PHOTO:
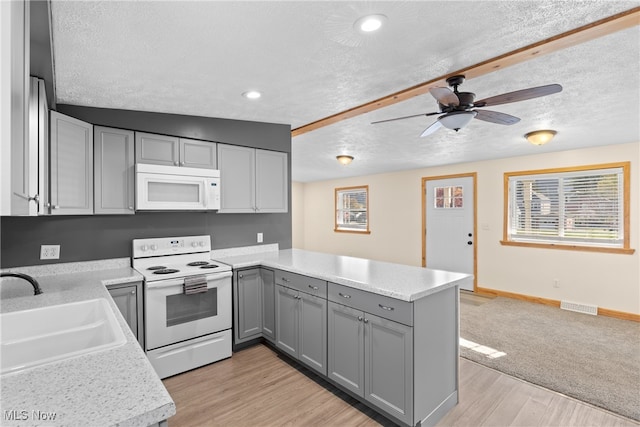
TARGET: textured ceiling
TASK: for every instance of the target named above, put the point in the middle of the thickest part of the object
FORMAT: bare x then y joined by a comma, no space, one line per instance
305,57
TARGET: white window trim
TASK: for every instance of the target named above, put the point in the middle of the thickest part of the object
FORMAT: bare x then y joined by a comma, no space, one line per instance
341,228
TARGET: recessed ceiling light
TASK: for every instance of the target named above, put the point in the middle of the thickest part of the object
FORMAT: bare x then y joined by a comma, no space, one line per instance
370,23
252,94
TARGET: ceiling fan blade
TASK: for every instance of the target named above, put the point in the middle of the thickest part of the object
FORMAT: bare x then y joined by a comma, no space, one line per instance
431,129
444,96
405,117
519,95
496,117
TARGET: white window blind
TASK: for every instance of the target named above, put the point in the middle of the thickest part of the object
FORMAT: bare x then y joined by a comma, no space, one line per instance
351,209
581,207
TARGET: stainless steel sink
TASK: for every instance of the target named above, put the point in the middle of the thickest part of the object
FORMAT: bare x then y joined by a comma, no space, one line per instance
39,336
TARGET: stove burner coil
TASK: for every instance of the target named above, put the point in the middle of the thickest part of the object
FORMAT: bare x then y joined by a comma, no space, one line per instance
197,263
157,267
166,271
210,266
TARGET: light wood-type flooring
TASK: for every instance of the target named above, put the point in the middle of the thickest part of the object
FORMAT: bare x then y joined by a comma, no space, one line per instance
258,387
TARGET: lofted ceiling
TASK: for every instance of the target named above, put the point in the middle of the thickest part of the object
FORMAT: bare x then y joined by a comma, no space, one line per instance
309,62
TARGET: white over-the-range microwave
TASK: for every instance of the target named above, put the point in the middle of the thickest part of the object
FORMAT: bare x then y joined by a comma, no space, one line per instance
171,188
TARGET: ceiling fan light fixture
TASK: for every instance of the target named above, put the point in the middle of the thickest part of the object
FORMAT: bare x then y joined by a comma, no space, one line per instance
343,159
540,137
369,23
457,120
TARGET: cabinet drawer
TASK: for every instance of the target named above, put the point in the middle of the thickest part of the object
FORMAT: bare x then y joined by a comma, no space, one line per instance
380,305
302,283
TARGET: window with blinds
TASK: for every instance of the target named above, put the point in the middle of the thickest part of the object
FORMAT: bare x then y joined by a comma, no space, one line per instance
580,207
352,209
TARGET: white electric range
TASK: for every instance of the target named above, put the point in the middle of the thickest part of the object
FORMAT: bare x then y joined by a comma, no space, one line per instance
187,303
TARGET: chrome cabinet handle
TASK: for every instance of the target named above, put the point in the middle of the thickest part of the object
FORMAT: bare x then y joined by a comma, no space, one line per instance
344,295
176,163
360,318
384,307
366,320
315,288
298,297
130,208
240,276
284,279
133,292
56,206
181,163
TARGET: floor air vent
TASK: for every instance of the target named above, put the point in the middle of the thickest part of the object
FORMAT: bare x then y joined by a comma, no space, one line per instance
580,308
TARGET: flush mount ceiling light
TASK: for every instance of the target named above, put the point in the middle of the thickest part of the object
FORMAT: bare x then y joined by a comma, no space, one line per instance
457,120
369,23
344,159
252,94
540,137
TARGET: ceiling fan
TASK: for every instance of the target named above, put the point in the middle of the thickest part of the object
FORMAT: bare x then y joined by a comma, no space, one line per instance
458,108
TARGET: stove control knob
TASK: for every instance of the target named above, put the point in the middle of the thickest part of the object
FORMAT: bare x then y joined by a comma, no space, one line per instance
144,248
201,244
194,244
154,247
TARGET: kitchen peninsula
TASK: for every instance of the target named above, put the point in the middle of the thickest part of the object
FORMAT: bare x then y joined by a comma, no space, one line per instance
385,333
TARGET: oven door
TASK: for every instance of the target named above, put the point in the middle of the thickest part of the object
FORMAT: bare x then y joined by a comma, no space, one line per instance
171,316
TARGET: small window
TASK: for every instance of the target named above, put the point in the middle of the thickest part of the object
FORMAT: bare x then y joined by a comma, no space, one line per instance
580,208
352,209
447,197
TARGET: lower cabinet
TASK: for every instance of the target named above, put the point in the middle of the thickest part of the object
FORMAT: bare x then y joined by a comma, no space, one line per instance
373,358
301,325
128,298
254,304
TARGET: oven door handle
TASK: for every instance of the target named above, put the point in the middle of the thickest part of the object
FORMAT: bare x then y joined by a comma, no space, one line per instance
179,282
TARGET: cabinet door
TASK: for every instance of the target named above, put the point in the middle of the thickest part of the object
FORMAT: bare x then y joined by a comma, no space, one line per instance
198,154
114,170
313,332
129,303
157,149
237,179
287,320
345,362
272,182
268,304
388,364
249,304
71,166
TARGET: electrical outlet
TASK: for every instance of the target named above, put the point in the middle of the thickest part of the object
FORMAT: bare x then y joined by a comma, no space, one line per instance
50,252
260,237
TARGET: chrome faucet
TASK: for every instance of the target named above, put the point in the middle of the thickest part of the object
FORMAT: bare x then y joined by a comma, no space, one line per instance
34,282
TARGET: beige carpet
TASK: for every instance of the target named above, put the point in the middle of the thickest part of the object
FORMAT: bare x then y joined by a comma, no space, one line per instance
591,358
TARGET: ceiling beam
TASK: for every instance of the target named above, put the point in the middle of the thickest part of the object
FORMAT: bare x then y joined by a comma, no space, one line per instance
612,24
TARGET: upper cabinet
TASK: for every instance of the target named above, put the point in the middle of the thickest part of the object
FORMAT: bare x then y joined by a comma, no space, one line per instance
174,151
71,157
252,180
114,170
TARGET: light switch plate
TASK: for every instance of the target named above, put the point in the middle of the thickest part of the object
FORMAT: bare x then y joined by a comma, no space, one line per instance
50,252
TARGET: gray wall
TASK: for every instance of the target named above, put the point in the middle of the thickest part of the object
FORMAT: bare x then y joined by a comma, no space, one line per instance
84,238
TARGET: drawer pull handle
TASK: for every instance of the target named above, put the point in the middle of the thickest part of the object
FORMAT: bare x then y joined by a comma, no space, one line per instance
366,320
344,295
284,279
315,288
360,318
384,307
240,276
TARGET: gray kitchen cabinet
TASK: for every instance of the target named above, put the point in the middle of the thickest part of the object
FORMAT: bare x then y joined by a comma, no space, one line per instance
128,298
248,310
252,180
114,170
301,327
268,304
71,166
372,357
174,151
271,182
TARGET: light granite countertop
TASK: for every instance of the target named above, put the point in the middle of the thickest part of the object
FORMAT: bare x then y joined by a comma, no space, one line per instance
403,282
117,386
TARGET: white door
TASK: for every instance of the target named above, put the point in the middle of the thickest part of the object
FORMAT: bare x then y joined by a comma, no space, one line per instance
450,223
